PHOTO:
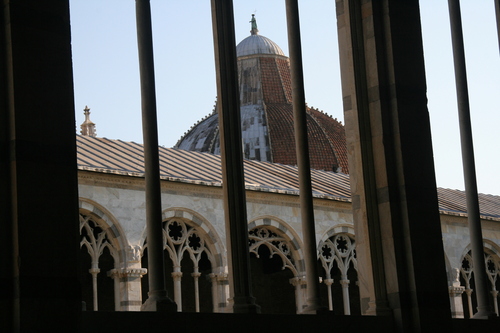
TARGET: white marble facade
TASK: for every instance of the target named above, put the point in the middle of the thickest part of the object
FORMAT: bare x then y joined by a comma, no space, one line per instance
117,205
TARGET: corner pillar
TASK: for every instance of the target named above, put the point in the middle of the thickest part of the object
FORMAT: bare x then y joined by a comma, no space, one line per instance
300,284
394,194
128,288
455,291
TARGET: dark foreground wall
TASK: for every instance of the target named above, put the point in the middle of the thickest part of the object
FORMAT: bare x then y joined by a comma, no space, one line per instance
39,196
150,322
97,322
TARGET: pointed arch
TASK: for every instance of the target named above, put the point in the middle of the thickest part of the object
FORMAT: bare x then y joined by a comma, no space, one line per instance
288,244
277,265
117,237
101,235
492,261
338,246
202,225
337,256
193,249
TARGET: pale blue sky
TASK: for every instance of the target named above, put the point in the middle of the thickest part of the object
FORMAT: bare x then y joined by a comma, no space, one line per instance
107,78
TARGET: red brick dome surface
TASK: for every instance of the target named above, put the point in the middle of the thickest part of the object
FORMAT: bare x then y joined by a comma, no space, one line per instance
267,119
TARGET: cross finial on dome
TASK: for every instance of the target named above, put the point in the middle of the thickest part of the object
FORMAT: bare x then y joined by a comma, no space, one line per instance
254,30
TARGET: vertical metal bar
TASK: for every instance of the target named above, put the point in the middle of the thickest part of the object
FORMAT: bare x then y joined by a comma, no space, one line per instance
304,168
157,291
8,175
228,106
483,307
497,12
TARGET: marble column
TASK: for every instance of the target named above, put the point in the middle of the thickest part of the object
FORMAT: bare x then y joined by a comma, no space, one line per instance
215,292
177,277
95,302
328,283
469,292
196,276
494,294
345,296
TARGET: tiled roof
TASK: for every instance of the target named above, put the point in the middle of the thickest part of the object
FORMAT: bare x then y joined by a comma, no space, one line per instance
454,202
126,158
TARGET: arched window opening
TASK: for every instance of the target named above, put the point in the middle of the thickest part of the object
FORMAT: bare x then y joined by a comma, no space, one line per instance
98,258
272,266
467,279
189,261
493,272
337,256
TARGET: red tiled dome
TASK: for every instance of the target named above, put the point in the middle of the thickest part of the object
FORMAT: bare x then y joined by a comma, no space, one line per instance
267,119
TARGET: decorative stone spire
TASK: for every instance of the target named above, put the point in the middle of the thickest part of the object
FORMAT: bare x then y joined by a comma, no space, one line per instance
254,30
88,127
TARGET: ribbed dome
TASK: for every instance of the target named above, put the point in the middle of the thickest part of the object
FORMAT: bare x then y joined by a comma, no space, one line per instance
257,44
267,124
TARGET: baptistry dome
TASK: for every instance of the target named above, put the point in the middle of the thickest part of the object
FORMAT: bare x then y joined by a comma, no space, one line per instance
257,44
266,111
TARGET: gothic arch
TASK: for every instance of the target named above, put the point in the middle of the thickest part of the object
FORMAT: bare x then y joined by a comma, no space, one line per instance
489,247
344,258
108,223
338,245
338,229
194,254
104,241
290,237
492,261
337,256
277,265
214,244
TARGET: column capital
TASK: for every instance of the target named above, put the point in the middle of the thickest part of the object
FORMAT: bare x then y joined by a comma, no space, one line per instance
328,282
297,281
176,275
128,272
456,290
222,277
344,283
94,271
